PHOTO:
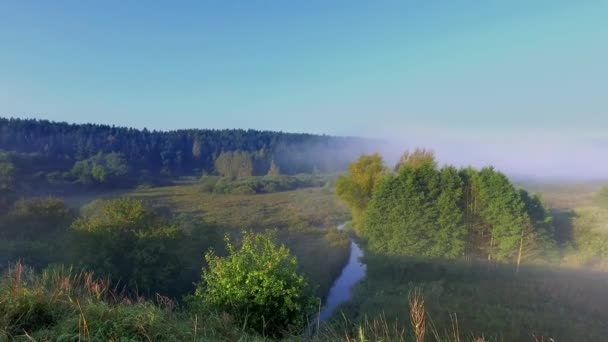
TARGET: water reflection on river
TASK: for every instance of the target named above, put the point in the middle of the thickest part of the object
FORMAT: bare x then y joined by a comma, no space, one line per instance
352,273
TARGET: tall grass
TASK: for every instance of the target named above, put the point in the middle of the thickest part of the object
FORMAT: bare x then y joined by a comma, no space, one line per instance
61,304
378,329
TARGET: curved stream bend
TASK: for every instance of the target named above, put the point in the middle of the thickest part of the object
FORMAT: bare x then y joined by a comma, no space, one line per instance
352,273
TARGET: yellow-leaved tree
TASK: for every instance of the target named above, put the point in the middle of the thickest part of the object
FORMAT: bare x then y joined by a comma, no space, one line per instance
357,186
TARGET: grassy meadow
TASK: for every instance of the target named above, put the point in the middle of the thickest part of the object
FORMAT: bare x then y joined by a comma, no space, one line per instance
484,300
305,220
580,217
295,210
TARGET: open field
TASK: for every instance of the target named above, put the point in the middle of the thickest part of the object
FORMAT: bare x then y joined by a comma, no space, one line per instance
305,220
293,210
565,195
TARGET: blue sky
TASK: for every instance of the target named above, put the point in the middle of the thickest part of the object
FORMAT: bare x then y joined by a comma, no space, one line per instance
486,76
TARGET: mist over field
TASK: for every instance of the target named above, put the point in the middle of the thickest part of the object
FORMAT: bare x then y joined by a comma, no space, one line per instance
533,156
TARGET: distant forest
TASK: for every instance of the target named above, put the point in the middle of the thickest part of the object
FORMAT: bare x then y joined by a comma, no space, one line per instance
91,153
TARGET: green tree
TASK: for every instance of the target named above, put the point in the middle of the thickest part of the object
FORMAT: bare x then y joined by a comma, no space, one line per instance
418,158
357,186
100,169
258,284
130,244
417,212
451,233
503,214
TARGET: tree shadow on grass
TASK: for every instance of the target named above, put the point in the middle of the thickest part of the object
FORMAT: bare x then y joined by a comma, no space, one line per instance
563,221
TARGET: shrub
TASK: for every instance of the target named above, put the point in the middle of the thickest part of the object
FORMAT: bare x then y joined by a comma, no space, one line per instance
130,244
257,284
36,219
258,185
110,169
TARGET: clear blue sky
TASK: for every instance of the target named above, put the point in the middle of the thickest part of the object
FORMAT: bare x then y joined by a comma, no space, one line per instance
427,72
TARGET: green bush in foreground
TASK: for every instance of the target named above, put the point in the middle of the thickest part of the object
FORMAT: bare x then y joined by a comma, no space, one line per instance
257,284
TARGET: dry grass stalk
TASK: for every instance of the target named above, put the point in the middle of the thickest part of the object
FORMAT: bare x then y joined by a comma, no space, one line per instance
16,275
418,315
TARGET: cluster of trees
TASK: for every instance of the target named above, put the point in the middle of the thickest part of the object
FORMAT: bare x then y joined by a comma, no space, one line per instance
102,168
239,164
236,164
422,210
175,153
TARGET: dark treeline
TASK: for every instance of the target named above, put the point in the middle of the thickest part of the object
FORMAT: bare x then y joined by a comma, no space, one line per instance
57,147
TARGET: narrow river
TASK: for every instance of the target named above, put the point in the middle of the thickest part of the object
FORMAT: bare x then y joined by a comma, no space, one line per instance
352,273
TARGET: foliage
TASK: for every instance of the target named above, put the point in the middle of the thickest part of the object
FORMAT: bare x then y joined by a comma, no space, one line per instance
236,164
130,243
259,185
416,159
258,284
173,153
357,187
425,211
417,213
495,214
100,169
